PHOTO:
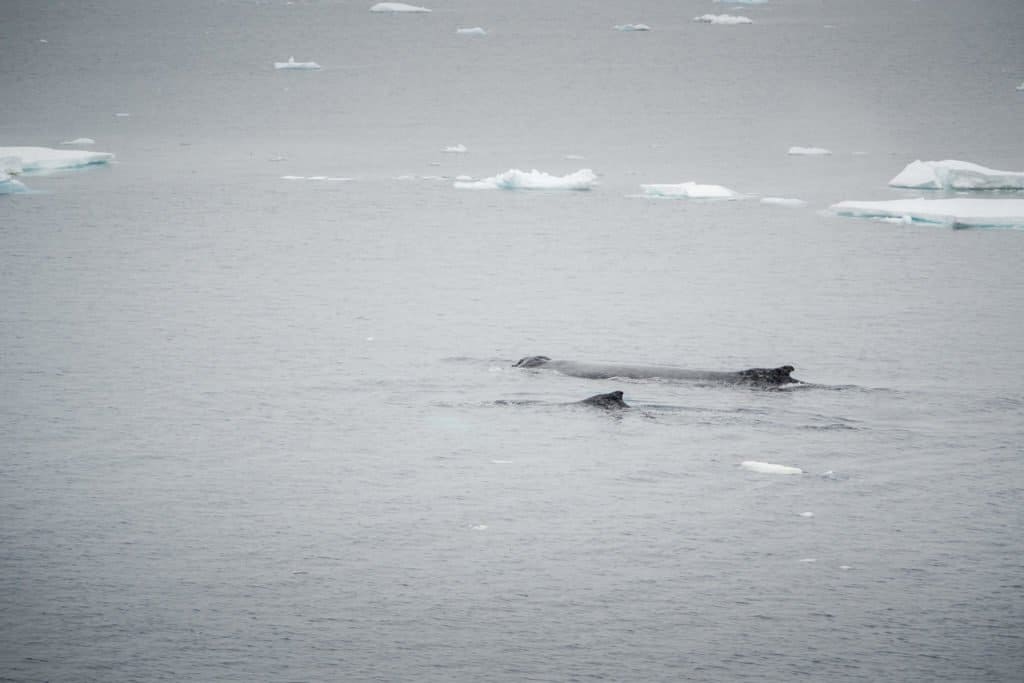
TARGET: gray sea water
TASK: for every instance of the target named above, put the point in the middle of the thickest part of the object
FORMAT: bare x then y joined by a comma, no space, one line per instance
248,426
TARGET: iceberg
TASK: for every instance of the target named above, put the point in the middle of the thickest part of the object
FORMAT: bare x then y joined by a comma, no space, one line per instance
475,31
41,159
769,468
690,190
954,213
79,141
455,149
632,27
956,175
514,179
725,19
808,151
297,66
783,201
397,7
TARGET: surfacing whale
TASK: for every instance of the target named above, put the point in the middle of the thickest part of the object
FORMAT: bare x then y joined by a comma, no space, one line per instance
610,401
755,376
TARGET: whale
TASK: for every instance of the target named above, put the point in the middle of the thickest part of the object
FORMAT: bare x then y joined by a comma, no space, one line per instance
611,401
753,376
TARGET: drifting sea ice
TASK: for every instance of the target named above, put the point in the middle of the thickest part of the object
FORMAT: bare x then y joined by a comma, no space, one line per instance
297,66
808,151
783,201
723,19
769,468
1021,86
956,175
514,179
632,27
79,141
397,7
475,31
9,168
954,213
690,190
455,149
39,159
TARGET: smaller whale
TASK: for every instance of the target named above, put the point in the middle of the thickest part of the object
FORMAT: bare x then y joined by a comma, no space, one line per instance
610,401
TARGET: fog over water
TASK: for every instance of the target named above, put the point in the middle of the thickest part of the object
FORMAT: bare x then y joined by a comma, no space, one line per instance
256,426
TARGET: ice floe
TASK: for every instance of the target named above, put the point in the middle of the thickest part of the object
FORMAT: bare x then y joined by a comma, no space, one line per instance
475,31
724,19
79,141
397,7
769,468
632,27
297,66
783,201
514,179
1021,86
809,151
455,149
40,159
956,175
954,213
9,168
690,190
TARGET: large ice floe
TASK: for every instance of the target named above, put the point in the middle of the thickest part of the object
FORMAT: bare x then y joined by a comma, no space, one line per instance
808,151
723,19
956,175
514,179
690,190
296,66
397,7
953,213
42,159
632,27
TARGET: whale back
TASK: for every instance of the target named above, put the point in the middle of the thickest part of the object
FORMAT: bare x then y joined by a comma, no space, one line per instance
531,362
610,401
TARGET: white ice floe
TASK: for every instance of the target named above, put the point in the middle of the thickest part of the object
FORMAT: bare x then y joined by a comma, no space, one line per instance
397,7
783,201
455,149
632,27
956,175
9,168
690,190
574,157
954,213
807,514
297,66
79,141
724,19
514,179
769,468
809,151
122,114
475,31
40,159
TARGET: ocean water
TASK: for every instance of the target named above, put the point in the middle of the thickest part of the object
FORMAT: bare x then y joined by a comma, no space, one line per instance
249,426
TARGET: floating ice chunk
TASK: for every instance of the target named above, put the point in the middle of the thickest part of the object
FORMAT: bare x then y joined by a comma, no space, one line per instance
39,159
724,19
79,141
464,178
514,179
9,168
690,190
480,527
575,157
955,213
845,567
769,468
475,31
809,151
122,114
297,66
293,177
1021,86
397,7
455,149
956,175
632,27
743,2
809,560
807,514
502,462
783,201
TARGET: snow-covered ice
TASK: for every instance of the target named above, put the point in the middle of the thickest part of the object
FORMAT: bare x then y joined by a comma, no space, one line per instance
9,168
397,7
39,159
954,213
514,179
632,27
724,19
769,468
79,141
783,201
808,151
475,31
690,190
455,149
297,66
956,175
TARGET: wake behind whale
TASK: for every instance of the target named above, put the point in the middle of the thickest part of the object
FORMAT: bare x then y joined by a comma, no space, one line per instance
766,377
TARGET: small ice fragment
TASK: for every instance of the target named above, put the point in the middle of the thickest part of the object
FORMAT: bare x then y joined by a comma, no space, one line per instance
723,19
455,149
317,177
632,27
369,339
480,527
277,159
299,571
297,66
574,157
952,174
954,213
475,31
514,179
1021,86
464,178
743,2
690,190
122,114
293,177
79,141
769,468
783,201
809,151
397,7
807,514
338,179
809,559
502,462
845,567
44,40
